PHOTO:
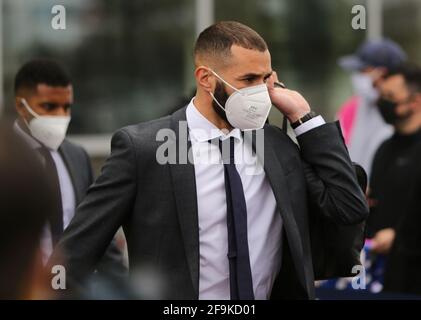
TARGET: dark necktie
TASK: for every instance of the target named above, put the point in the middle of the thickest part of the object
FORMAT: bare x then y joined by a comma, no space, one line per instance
241,283
56,215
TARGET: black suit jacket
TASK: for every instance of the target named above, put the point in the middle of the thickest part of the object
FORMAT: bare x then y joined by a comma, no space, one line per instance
157,205
78,164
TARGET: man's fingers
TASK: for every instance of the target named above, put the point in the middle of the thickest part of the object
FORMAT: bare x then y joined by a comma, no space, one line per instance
380,246
275,76
377,246
271,82
374,245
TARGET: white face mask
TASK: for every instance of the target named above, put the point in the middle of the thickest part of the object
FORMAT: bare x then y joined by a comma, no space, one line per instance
363,87
247,108
49,130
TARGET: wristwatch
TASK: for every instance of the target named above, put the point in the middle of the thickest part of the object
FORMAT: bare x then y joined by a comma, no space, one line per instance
300,121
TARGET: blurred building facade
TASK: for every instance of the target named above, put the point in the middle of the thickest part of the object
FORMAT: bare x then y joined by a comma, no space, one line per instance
131,61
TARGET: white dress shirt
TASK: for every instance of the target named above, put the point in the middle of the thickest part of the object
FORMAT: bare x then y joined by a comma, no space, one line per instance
264,221
68,198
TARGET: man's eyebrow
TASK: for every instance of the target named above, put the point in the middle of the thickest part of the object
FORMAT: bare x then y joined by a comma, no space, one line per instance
45,103
255,75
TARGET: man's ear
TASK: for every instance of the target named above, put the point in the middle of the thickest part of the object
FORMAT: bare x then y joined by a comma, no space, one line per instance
204,79
20,108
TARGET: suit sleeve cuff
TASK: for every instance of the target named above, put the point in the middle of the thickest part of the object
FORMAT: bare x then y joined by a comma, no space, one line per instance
308,125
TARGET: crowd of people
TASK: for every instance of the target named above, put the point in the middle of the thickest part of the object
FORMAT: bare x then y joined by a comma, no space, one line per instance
206,231
381,124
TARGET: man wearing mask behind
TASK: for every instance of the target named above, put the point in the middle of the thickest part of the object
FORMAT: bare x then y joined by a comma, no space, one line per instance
362,126
219,229
43,100
395,219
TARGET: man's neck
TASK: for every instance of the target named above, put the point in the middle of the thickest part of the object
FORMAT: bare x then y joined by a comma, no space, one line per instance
204,106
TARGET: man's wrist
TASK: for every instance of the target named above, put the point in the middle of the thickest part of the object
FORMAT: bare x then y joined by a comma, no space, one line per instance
302,118
309,125
293,117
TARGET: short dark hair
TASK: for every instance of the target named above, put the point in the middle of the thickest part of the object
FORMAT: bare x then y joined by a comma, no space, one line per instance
41,71
217,40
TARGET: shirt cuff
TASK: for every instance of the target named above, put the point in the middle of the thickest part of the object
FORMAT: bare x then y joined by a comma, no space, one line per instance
308,125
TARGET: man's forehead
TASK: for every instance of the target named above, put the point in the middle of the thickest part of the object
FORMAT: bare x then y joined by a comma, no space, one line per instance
250,61
394,87
396,81
44,90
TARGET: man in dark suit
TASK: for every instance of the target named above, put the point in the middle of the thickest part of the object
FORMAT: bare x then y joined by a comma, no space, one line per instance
212,229
43,99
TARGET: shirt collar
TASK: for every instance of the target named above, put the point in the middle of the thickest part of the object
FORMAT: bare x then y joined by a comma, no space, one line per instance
202,130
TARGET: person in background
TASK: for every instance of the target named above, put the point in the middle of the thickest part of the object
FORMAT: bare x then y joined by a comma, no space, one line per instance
43,101
362,126
395,187
25,201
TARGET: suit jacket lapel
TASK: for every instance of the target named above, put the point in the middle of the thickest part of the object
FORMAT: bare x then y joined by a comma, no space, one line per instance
184,185
70,165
